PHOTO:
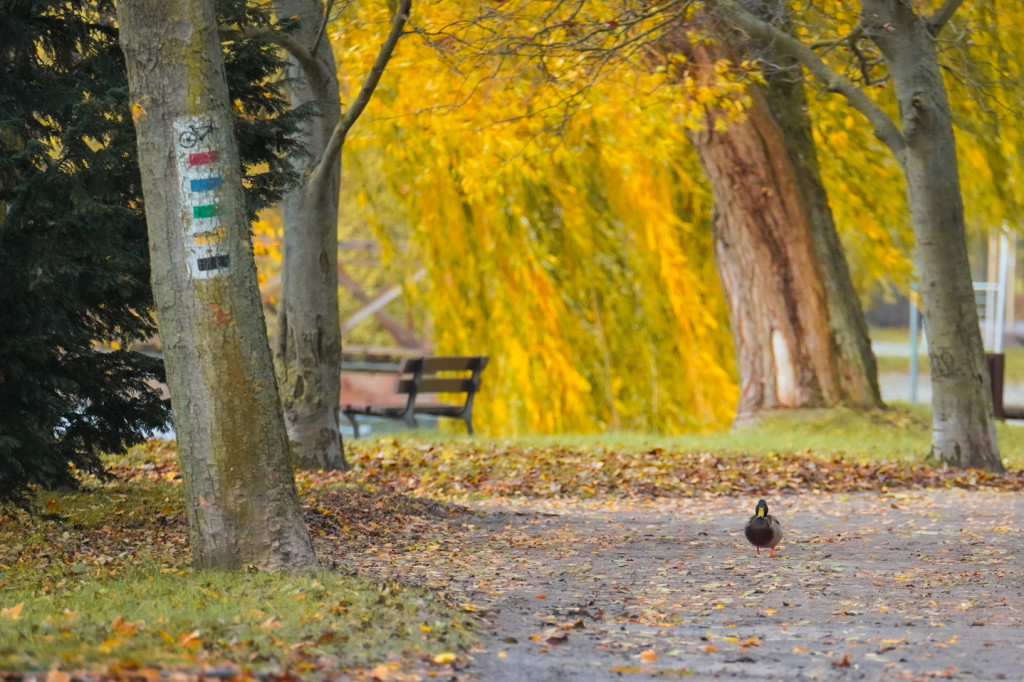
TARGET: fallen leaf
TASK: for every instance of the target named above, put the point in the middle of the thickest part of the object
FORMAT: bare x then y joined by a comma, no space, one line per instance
13,613
843,662
189,639
649,656
126,628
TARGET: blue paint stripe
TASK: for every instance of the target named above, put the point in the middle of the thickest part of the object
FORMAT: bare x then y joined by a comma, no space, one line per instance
205,184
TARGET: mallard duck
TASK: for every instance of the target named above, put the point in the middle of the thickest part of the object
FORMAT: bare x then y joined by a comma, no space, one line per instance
763,529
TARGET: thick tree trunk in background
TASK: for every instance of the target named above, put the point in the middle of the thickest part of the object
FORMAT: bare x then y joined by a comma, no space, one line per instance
800,337
855,361
308,350
766,260
240,493
963,429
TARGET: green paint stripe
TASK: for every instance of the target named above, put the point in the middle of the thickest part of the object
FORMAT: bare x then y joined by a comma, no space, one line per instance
206,211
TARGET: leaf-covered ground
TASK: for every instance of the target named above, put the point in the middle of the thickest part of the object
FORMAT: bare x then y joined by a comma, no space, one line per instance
609,563
903,585
467,469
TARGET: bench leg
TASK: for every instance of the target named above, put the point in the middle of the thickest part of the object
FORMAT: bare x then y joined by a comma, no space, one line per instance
469,423
355,424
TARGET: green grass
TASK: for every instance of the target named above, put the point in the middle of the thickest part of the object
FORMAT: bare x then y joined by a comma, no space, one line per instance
901,432
149,618
101,578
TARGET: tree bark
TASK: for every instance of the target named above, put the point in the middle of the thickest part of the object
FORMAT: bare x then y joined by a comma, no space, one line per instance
963,428
308,350
855,361
240,493
800,336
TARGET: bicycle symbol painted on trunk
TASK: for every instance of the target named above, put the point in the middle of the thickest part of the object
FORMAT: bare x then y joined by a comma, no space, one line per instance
200,182
193,134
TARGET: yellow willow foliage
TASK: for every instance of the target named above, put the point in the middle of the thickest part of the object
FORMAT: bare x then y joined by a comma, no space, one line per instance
986,58
863,180
573,249
871,213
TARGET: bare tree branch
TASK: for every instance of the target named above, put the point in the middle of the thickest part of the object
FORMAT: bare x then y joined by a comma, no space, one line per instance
322,30
303,55
885,129
387,48
943,15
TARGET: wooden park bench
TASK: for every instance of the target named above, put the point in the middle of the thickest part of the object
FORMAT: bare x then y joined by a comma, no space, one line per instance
420,380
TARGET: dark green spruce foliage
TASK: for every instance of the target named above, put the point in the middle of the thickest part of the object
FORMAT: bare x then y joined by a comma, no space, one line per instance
74,260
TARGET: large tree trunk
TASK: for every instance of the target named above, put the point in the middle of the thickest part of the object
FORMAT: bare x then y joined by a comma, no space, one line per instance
855,361
963,429
240,493
800,336
309,329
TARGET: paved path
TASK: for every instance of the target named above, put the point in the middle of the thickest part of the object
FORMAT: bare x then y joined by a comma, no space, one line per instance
906,585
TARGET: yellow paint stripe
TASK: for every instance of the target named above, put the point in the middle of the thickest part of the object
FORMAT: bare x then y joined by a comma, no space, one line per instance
211,237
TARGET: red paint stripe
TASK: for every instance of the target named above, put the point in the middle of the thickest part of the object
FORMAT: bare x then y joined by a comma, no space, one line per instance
203,158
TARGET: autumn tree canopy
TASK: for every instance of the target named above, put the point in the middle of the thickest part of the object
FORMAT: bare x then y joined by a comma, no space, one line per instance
583,264
514,156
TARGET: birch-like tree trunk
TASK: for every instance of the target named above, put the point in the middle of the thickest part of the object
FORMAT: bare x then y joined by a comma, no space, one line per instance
308,352
309,333
240,493
963,422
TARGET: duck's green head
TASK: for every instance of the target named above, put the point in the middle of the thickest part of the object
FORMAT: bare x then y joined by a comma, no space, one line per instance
762,509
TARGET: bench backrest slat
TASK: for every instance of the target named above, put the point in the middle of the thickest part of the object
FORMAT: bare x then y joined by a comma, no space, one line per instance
418,376
432,385
444,363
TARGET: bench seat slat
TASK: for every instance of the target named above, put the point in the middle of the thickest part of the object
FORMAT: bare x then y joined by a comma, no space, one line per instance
441,410
378,410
